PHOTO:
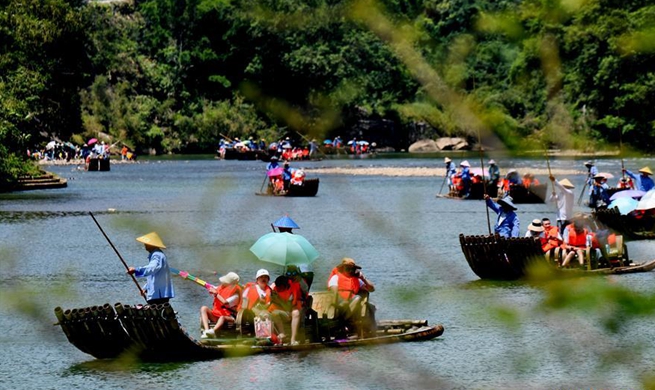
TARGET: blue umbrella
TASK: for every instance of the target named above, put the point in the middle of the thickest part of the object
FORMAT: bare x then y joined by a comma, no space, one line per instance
327,141
627,194
625,204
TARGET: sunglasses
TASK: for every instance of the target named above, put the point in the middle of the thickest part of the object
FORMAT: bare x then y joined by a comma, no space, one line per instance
291,273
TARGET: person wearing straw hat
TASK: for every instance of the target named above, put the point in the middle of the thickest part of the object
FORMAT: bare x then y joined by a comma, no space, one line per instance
159,285
599,198
564,201
450,172
643,182
535,229
465,175
285,224
494,173
507,223
227,298
591,172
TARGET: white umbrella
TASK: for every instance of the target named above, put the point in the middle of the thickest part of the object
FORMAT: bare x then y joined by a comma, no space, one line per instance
50,145
647,201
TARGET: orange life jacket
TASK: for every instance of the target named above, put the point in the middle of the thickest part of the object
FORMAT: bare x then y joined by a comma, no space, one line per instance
550,239
577,239
286,300
251,294
222,309
348,286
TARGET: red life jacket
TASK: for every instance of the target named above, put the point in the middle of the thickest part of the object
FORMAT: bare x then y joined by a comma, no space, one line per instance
221,309
252,295
577,239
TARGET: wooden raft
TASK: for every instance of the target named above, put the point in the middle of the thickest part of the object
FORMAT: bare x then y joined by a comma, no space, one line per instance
500,258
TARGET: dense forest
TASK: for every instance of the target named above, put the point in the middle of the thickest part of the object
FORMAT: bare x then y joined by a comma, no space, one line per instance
176,75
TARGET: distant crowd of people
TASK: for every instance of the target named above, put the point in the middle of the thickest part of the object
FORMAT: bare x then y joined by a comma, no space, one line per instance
58,151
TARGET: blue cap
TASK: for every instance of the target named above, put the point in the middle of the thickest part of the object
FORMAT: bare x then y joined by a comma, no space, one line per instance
286,222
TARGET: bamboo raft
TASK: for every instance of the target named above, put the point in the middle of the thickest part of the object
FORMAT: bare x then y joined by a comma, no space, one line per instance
154,334
308,188
632,228
499,258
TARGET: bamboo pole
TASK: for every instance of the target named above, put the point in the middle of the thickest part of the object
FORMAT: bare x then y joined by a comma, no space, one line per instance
484,185
119,255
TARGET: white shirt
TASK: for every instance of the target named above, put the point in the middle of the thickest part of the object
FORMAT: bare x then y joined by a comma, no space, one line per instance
564,201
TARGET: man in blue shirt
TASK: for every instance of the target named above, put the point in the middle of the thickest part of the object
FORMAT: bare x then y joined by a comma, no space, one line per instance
159,287
643,182
494,173
507,224
273,164
465,174
592,171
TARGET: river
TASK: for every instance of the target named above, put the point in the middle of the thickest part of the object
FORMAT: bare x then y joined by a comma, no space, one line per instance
497,335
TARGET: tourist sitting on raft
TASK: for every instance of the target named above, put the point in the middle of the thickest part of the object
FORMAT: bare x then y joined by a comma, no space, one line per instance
227,298
507,223
285,308
551,237
577,240
352,289
529,180
256,296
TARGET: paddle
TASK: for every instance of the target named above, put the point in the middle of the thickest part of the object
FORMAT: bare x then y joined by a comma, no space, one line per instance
484,185
261,189
444,181
143,294
317,148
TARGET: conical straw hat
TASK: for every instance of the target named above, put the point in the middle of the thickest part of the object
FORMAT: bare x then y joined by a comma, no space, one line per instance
646,170
566,183
152,239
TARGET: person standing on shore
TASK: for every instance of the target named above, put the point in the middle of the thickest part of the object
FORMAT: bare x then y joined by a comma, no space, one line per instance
159,286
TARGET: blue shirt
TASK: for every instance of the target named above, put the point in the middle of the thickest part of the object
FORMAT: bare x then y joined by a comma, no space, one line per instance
494,173
466,174
286,174
593,171
158,276
450,169
272,165
507,224
642,182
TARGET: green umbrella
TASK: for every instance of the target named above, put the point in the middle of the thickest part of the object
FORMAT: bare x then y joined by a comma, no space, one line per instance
284,249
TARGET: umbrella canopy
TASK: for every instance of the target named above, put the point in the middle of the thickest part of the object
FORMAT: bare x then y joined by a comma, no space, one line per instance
362,142
647,201
284,249
275,172
477,171
91,141
327,141
625,205
636,194
50,145
607,175
286,146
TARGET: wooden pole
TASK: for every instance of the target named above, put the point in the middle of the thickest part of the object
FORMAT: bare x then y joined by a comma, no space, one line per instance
119,255
264,182
306,139
484,185
444,181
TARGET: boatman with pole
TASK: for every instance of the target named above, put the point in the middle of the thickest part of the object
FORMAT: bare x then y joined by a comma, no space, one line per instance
159,286
507,224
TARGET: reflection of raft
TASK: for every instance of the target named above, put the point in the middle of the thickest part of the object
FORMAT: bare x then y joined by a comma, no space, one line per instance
97,164
631,227
499,258
153,333
533,194
308,188
477,192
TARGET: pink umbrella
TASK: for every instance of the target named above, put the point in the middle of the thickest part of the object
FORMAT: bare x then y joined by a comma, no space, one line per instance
275,172
92,141
636,194
477,171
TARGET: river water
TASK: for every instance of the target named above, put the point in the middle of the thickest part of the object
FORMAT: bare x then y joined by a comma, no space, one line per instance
497,335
